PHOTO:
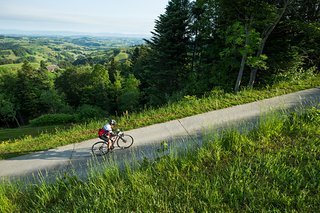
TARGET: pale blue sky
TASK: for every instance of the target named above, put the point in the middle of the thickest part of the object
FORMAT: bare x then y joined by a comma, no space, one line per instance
89,16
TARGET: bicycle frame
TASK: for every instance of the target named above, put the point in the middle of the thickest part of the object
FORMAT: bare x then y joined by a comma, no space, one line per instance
116,138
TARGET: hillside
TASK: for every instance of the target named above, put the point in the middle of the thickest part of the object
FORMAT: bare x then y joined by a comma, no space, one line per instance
23,143
57,49
274,167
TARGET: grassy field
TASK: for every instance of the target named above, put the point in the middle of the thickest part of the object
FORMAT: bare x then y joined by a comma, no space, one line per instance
15,67
273,168
55,49
19,133
189,106
121,56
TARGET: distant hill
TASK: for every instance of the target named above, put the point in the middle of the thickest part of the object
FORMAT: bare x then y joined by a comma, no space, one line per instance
58,49
12,32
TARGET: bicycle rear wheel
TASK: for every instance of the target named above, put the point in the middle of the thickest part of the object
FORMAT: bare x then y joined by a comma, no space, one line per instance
100,148
125,141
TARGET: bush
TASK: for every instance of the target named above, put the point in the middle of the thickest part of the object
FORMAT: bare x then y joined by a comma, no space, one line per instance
53,119
294,75
88,112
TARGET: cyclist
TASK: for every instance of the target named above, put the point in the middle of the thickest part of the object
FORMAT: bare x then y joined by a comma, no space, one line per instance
105,133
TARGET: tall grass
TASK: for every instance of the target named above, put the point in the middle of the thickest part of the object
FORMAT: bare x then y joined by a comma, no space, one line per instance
190,105
275,167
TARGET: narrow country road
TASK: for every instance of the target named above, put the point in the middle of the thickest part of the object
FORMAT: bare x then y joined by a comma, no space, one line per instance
77,157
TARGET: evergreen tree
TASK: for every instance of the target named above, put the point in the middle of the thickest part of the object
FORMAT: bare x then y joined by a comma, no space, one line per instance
140,63
168,67
112,67
206,45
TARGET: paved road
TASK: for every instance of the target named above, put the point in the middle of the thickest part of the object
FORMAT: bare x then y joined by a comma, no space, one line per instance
77,157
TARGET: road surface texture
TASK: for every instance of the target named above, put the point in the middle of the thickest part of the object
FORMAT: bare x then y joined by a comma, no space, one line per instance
77,158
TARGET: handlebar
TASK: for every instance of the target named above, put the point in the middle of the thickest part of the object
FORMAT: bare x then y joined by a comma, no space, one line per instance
119,133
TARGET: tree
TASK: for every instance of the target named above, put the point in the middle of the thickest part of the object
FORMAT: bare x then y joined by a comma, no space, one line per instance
244,57
168,68
52,102
86,85
205,46
117,90
112,67
244,41
140,63
101,86
258,16
135,56
7,110
130,94
30,84
269,27
294,39
9,104
72,84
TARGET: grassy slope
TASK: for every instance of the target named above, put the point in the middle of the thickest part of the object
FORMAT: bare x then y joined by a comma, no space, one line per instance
19,133
44,48
16,67
189,106
273,168
121,56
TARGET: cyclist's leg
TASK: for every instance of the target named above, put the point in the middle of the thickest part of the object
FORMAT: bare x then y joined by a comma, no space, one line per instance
103,137
108,139
111,143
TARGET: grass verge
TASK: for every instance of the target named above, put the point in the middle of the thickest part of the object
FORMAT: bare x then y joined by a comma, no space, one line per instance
19,133
275,167
190,105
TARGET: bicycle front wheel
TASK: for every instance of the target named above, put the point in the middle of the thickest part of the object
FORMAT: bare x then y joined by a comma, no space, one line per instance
125,141
100,148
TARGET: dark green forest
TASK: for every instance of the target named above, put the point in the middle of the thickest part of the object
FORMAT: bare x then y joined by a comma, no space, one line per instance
195,47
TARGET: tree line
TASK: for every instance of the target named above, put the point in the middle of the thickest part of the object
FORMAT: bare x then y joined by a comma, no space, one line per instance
195,46
85,89
198,45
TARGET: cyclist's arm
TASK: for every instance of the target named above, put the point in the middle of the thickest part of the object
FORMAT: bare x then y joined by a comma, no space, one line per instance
112,134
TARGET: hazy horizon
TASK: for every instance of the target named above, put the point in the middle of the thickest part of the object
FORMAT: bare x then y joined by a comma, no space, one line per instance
95,17
13,32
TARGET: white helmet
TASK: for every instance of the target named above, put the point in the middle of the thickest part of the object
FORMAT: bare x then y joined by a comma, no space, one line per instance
112,122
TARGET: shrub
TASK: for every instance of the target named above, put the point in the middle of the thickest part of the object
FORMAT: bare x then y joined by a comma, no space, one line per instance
294,75
88,112
53,119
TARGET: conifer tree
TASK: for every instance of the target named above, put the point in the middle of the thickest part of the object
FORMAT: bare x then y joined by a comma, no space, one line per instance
168,67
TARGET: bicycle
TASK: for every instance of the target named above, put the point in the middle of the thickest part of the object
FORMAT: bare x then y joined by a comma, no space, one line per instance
123,141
